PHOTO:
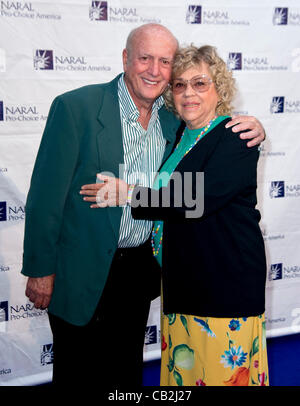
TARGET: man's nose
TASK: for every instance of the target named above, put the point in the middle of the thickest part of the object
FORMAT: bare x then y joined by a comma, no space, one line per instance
154,68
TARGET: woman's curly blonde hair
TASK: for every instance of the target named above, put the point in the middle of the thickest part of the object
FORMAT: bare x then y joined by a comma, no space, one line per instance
192,56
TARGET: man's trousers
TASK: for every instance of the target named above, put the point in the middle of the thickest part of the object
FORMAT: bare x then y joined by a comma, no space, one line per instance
108,351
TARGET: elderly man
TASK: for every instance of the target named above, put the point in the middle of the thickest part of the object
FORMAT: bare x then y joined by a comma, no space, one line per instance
94,269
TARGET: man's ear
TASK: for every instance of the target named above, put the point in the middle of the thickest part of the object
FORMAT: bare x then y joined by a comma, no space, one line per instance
125,59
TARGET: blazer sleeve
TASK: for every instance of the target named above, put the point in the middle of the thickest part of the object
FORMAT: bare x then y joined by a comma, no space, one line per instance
229,172
50,183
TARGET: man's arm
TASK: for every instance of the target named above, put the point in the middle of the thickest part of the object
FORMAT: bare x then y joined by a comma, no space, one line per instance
50,183
255,131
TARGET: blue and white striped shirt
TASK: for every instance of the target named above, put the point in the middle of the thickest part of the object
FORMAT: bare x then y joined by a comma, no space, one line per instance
143,153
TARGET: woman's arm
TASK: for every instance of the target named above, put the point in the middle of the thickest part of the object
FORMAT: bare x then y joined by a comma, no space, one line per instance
230,171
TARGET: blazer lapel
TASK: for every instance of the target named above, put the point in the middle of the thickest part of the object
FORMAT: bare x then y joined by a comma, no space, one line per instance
110,144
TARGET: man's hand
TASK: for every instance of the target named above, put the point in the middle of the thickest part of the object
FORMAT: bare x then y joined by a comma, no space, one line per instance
242,123
39,291
112,192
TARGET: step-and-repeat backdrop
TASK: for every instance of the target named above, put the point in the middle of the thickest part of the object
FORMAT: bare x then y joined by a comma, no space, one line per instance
49,47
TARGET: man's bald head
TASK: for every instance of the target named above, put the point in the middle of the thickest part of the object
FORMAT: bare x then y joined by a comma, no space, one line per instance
151,29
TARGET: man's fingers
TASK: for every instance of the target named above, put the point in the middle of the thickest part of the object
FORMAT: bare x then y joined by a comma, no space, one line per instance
252,143
27,291
249,134
241,123
42,302
46,301
234,121
39,301
245,125
239,119
31,296
231,123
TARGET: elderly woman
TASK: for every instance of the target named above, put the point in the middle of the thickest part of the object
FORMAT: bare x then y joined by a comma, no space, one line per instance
213,260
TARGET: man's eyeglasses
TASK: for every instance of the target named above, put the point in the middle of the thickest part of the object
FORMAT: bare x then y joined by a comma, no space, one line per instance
199,84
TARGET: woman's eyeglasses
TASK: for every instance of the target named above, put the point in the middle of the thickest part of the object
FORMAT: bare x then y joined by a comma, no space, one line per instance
199,84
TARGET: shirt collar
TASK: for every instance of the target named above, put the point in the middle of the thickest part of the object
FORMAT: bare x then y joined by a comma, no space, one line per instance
128,107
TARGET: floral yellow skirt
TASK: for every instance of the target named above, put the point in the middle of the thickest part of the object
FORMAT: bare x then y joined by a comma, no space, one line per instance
200,351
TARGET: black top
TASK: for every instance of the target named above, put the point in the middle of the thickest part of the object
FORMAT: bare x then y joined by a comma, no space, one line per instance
213,265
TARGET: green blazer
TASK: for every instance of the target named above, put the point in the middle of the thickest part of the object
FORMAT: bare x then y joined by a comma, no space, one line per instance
63,235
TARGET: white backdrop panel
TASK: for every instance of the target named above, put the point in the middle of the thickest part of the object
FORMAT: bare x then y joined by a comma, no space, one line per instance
47,48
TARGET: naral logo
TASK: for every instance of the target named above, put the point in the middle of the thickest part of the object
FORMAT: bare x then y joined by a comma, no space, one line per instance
25,311
3,212
277,189
194,15
280,16
234,61
47,354
151,335
15,6
19,312
43,60
98,11
275,272
4,311
1,111
277,105
11,213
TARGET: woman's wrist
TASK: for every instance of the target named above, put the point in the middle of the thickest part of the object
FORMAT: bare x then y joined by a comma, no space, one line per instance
129,193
